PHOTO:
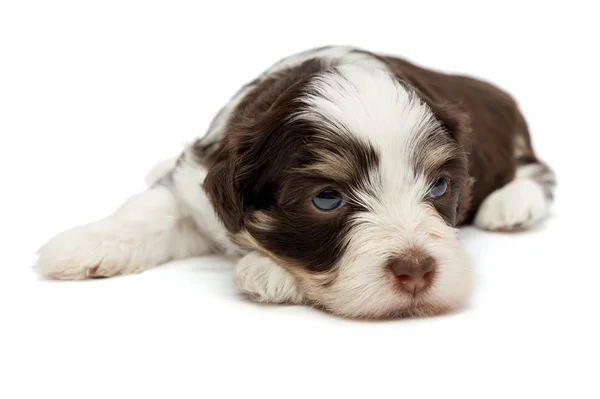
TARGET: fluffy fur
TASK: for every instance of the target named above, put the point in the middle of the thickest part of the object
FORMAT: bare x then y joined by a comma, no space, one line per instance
379,130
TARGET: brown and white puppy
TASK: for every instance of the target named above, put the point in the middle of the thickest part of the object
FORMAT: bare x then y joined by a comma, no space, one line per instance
338,177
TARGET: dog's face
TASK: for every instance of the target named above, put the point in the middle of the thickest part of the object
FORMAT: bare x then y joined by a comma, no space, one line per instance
353,183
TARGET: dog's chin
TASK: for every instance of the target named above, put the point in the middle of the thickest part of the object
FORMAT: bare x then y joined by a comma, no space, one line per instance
417,311
404,307
410,309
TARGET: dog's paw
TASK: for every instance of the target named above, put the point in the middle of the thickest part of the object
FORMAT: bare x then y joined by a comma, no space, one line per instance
264,281
87,252
516,206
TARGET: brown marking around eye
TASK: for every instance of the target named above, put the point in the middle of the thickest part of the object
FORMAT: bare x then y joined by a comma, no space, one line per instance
436,153
338,157
435,156
329,165
271,165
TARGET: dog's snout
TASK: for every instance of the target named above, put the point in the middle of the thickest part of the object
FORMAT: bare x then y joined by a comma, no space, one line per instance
414,270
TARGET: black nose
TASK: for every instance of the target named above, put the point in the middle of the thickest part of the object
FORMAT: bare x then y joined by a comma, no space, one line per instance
414,270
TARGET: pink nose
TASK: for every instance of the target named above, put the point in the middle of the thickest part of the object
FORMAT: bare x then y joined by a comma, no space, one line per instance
414,270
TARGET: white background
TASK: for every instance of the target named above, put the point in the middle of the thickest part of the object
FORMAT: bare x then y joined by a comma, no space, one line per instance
93,93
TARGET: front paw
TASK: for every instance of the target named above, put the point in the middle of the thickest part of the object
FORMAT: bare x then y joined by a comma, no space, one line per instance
516,206
87,252
262,280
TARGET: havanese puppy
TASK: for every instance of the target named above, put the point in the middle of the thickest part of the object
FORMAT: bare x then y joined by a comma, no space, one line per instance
337,179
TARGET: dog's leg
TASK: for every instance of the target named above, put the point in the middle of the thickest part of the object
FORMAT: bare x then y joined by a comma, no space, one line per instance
525,200
521,203
147,230
264,281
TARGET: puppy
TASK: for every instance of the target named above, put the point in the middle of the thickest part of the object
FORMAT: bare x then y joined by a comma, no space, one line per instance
337,178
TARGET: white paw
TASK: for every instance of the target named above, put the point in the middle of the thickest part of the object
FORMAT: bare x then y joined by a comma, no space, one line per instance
89,251
265,281
516,206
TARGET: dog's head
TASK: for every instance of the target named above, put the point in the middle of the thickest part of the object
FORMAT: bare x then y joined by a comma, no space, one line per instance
353,182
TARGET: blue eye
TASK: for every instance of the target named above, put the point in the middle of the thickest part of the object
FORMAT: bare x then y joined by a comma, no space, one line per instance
328,200
439,188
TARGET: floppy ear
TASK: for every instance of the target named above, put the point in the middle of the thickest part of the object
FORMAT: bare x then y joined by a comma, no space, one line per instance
238,180
222,189
242,177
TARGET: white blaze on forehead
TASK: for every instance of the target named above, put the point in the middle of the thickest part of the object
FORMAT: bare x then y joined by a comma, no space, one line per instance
373,106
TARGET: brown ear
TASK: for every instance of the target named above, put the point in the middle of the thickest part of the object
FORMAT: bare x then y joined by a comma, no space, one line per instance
238,182
221,187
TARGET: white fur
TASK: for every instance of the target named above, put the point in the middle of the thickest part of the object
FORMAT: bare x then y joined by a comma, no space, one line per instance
542,175
159,170
265,281
518,205
146,231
